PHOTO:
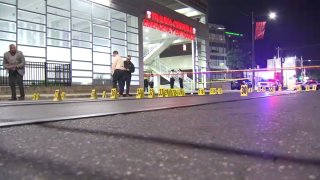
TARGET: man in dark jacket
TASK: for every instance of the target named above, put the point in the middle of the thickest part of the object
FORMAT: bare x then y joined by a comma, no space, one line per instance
14,62
129,69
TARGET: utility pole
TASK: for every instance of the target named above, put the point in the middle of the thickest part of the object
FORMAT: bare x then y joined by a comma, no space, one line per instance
302,70
253,63
281,66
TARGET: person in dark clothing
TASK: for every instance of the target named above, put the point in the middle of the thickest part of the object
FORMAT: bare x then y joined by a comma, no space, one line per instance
146,84
181,76
172,76
14,62
129,69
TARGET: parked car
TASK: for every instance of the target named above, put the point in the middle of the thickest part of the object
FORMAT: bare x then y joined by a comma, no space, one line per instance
268,83
311,83
237,84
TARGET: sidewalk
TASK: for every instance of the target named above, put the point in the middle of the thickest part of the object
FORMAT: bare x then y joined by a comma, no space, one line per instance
28,97
50,96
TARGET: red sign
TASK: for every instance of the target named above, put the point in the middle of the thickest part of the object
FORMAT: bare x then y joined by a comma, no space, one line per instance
260,29
166,24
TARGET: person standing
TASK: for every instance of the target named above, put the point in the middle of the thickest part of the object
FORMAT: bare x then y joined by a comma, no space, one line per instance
117,70
14,62
146,83
181,76
151,79
172,76
129,69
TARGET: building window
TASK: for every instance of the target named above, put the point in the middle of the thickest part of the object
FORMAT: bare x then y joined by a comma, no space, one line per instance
79,32
8,12
37,6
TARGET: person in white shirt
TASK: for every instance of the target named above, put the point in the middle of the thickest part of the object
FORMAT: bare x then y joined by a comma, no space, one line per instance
180,75
172,75
117,70
151,80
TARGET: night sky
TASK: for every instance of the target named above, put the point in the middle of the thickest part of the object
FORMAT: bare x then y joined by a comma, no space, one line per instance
296,29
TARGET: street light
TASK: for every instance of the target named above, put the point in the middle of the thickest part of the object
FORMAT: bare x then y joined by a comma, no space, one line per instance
272,16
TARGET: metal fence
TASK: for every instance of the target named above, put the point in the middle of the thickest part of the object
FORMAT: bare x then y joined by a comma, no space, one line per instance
41,73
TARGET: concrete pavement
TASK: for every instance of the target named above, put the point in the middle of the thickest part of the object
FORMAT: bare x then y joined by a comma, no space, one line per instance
263,138
44,111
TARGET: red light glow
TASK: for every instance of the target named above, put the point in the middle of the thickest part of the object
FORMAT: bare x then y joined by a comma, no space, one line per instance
166,24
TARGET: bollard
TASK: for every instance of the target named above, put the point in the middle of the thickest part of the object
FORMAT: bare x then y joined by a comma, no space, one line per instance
171,93
272,89
213,91
161,92
307,88
63,95
104,94
38,96
183,92
151,93
57,95
93,94
179,92
244,90
259,89
299,88
220,91
166,92
114,93
140,93
201,92
35,96
314,87
175,92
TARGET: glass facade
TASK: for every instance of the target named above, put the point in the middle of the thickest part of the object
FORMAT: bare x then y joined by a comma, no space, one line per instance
200,63
77,32
218,49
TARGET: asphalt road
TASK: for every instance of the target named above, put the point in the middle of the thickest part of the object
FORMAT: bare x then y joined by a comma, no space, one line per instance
264,138
22,112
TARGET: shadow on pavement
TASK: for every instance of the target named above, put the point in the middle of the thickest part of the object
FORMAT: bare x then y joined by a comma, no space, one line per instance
188,144
18,166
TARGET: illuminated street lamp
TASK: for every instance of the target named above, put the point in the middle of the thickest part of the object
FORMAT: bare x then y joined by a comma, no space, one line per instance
272,16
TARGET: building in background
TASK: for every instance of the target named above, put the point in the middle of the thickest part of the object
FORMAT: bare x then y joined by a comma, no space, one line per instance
233,40
273,71
217,50
83,33
289,75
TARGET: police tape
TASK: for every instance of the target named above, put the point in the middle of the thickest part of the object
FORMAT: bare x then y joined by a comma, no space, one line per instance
217,81
234,70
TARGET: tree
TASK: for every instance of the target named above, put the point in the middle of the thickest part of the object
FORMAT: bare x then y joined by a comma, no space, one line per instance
237,59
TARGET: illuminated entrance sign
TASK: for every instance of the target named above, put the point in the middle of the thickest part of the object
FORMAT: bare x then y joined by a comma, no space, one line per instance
166,24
